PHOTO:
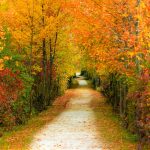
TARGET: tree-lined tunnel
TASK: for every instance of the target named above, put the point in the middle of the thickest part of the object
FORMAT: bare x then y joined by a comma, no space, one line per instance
44,42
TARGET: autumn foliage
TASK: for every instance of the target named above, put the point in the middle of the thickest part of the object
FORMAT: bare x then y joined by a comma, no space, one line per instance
113,36
33,44
48,38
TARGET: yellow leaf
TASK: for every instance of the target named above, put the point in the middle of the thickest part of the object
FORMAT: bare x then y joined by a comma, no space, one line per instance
143,5
131,54
1,64
17,63
6,58
139,58
37,68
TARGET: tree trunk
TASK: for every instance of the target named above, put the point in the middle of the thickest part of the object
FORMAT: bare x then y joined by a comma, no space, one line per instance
31,51
51,62
44,58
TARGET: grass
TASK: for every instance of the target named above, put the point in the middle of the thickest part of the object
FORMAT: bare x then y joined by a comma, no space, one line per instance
111,133
21,136
74,84
110,129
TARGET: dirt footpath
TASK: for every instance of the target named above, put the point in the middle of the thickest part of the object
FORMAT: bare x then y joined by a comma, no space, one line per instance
73,129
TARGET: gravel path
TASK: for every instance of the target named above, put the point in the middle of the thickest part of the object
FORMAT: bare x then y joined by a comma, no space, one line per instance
74,129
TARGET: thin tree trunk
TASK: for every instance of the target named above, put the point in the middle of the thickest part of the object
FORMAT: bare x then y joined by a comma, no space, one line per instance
56,38
121,99
31,51
51,62
138,113
44,58
137,21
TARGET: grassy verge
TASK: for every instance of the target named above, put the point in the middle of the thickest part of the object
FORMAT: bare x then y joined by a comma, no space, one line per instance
109,127
21,136
74,84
